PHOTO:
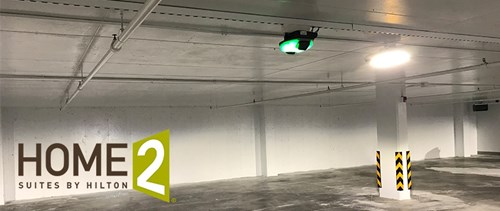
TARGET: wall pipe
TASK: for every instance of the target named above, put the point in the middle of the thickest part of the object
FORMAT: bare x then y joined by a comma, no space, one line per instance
116,45
364,85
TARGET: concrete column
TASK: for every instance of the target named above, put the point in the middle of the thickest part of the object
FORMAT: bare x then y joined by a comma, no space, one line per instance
7,136
2,200
470,132
465,130
260,141
392,138
259,116
458,127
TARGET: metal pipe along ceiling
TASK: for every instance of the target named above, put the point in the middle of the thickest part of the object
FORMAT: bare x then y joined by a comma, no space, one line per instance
221,81
430,98
190,80
116,45
368,84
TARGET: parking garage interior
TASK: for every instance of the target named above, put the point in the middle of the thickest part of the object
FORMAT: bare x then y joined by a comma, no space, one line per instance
254,105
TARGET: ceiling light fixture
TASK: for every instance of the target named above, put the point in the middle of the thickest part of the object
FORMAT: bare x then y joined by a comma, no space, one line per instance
298,41
390,58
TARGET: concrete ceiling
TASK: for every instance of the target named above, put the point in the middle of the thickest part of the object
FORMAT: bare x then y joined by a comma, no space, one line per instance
237,40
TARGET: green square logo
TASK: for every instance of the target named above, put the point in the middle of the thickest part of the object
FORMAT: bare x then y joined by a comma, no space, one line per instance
150,164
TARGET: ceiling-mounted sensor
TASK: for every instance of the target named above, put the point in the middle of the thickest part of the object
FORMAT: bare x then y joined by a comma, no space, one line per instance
298,41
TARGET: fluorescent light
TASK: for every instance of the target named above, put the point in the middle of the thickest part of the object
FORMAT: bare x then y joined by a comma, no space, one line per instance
388,59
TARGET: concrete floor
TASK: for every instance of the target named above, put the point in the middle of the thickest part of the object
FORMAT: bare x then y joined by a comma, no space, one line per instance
443,184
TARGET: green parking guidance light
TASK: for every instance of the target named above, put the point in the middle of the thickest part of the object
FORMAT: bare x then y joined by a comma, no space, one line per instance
292,46
297,42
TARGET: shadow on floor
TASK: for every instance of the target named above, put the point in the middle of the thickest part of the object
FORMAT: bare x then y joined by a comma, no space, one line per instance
433,154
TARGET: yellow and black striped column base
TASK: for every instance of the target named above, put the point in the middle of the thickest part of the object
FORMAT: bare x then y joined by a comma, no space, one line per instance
408,169
399,171
379,176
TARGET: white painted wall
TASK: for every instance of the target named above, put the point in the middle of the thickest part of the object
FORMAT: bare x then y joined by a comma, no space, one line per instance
311,138
431,131
219,144
205,144
488,129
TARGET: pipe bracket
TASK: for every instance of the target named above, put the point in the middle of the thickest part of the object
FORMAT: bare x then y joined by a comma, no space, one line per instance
485,62
112,47
115,49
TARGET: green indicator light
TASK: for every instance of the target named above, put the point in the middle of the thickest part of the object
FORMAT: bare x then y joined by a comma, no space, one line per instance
293,46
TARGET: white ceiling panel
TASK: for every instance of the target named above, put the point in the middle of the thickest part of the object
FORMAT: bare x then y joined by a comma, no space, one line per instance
238,40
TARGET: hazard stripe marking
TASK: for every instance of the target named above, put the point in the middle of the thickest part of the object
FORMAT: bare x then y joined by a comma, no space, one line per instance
379,177
399,171
408,169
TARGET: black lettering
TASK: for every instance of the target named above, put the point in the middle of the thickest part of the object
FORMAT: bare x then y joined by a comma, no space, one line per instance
95,156
37,159
48,160
110,159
